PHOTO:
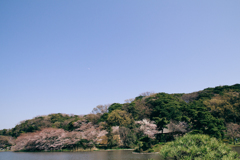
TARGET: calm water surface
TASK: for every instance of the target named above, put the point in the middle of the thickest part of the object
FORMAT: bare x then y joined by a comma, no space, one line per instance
97,155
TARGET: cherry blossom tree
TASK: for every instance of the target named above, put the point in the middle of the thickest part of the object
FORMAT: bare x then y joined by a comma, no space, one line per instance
46,139
6,141
149,128
233,130
181,127
100,109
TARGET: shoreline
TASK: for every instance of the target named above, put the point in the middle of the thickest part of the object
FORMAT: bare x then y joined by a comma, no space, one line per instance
145,153
80,150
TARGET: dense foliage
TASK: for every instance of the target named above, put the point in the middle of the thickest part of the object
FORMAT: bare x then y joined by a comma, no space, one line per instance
197,147
6,141
143,121
59,120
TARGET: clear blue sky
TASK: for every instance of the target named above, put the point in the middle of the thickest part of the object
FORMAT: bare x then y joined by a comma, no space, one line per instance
70,56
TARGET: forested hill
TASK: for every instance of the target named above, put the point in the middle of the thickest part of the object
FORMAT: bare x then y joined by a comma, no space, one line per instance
52,120
140,119
222,102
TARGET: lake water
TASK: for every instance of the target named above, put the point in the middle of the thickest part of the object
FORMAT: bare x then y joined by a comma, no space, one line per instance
96,155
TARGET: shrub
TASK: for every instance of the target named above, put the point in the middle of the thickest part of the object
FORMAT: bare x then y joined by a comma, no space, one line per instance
197,147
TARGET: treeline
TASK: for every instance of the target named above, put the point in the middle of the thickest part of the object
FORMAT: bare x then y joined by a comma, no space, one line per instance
59,120
143,121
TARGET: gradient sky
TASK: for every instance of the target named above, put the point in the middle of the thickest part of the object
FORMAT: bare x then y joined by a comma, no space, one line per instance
70,56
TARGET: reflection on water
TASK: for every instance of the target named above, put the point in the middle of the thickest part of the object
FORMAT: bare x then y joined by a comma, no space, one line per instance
97,155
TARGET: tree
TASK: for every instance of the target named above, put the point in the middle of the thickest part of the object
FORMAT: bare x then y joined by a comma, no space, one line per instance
190,97
142,109
114,106
148,128
46,139
221,106
94,118
145,143
129,100
100,109
103,117
89,131
40,122
164,108
197,147
138,109
127,136
203,122
111,142
233,130
6,141
120,118
181,127
145,94
146,133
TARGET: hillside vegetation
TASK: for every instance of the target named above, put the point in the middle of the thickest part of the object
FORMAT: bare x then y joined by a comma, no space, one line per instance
141,122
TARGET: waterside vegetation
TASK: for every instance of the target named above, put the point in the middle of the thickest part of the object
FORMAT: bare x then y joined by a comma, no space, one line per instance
198,146
144,123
